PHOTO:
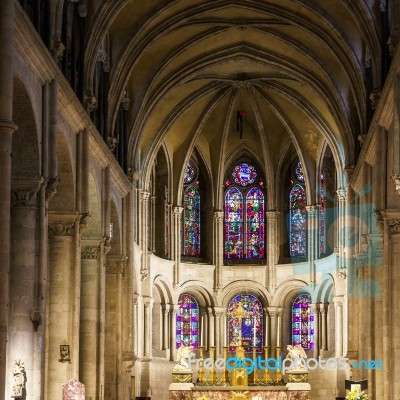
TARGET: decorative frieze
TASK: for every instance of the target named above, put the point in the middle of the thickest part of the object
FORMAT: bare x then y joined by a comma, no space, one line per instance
116,266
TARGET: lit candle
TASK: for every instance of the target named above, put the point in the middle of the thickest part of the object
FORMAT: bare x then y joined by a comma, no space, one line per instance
202,331
254,331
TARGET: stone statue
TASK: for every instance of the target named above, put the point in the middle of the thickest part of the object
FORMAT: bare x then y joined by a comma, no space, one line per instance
183,355
297,354
19,379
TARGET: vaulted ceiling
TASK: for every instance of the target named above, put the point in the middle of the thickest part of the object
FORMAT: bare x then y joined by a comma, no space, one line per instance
293,69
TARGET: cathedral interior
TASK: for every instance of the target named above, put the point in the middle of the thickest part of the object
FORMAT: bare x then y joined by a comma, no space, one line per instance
166,161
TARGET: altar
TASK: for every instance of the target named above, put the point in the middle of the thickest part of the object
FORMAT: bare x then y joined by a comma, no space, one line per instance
217,381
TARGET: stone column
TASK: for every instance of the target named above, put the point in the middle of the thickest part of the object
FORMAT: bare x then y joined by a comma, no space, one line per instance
272,247
219,331
152,240
324,326
25,316
176,251
172,335
340,225
211,326
135,321
218,248
312,238
275,316
61,272
165,327
148,308
89,316
7,128
338,301
317,341
143,232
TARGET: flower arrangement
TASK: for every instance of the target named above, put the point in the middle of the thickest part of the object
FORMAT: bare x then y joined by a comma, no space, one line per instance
357,395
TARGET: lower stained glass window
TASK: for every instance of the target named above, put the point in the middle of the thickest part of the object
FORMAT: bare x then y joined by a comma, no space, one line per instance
302,322
187,322
252,324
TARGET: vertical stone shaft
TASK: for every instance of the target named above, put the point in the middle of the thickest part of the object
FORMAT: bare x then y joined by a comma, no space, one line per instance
218,248
6,130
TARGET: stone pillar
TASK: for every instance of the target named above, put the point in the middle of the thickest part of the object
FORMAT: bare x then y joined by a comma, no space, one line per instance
172,334
24,311
317,341
218,248
340,225
275,314
272,248
391,292
143,232
211,326
135,321
152,239
148,308
89,316
312,238
338,301
7,128
61,272
176,251
219,331
165,326
324,326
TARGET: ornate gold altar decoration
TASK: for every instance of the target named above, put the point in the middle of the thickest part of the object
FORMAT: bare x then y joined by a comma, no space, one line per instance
278,376
182,378
212,377
267,377
201,373
297,378
225,373
240,395
239,375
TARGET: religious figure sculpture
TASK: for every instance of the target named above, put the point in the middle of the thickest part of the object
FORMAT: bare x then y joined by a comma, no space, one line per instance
183,355
298,355
19,379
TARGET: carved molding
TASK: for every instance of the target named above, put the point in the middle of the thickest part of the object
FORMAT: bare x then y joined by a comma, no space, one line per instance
177,210
82,9
101,55
58,50
341,194
112,143
342,274
90,102
107,245
83,221
90,252
24,192
394,225
18,389
62,224
133,175
396,181
218,215
51,188
374,98
116,266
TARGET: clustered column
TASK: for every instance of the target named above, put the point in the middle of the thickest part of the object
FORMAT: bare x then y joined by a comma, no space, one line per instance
176,229
218,249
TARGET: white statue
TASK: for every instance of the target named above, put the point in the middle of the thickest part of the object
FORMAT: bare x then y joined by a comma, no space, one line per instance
19,379
298,355
182,356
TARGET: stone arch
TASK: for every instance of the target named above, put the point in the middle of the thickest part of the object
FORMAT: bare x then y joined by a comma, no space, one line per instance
197,289
245,286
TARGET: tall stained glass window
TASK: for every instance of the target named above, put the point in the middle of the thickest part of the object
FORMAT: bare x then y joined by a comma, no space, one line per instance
244,213
297,213
302,322
322,218
191,213
252,324
187,322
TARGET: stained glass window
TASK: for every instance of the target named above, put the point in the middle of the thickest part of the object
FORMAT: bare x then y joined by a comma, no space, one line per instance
190,173
244,174
187,322
191,221
322,222
252,324
297,222
298,170
255,223
302,322
233,223
244,213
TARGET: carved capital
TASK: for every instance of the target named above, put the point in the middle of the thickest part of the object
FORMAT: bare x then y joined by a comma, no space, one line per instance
144,196
177,210
24,192
116,265
51,188
82,9
272,215
341,194
61,229
374,98
90,102
125,103
218,216
144,273
83,221
112,142
392,44
394,225
312,211
396,180
133,175
58,50
342,274
90,252
101,55
107,245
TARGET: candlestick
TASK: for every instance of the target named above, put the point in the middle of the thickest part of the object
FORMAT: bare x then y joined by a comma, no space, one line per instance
278,331
267,377
225,335
201,373
254,331
266,332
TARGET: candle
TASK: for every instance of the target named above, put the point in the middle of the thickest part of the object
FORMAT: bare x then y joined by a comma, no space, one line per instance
254,331
202,331
278,331
225,338
266,332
